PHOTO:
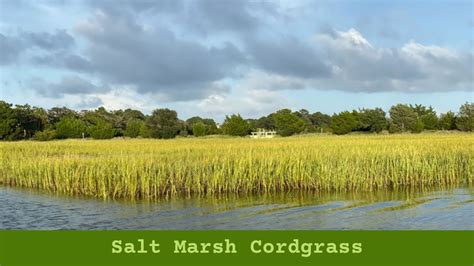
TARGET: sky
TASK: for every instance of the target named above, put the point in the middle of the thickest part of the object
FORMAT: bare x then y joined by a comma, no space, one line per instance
219,57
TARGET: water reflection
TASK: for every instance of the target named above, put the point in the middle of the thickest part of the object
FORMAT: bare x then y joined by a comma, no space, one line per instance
447,208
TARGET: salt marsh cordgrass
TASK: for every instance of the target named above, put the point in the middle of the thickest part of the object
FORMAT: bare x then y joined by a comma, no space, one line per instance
152,169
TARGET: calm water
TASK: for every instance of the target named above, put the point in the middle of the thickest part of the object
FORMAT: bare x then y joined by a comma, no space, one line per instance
429,209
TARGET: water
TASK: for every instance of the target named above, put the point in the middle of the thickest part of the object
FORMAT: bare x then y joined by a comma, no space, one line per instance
429,209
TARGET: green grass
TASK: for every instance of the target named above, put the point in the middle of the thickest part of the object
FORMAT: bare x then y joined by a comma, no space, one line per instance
166,168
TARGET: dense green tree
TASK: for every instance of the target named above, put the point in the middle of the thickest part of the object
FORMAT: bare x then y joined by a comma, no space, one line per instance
402,118
465,117
303,114
251,122
133,128
427,116
235,125
9,126
210,125
117,118
193,120
418,126
21,122
90,118
265,122
288,123
57,113
120,119
70,128
102,130
42,116
344,122
130,114
183,129
100,115
29,119
447,121
145,131
45,135
306,117
430,121
322,122
164,124
199,129
372,120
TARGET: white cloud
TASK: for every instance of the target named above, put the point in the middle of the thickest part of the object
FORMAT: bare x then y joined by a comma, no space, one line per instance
358,66
249,102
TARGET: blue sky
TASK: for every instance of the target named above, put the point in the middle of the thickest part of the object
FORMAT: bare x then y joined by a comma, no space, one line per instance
212,58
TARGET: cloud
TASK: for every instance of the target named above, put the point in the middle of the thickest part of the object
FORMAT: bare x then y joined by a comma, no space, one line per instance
63,60
213,52
256,94
87,102
49,41
361,67
261,80
12,46
249,103
202,17
68,85
288,56
233,15
121,51
160,7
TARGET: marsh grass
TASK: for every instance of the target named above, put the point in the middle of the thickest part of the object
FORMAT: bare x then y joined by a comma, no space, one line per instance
151,169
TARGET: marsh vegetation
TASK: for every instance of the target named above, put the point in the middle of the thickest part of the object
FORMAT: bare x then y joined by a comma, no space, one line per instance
151,169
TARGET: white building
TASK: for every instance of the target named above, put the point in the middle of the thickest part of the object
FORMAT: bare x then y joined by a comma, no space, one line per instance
262,134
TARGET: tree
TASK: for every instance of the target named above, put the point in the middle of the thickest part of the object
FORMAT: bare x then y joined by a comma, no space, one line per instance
235,125
402,118
133,128
343,123
102,130
447,121
183,128
57,113
465,118
210,125
266,122
130,114
29,120
372,120
306,117
145,131
418,126
427,116
120,119
322,122
288,123
193,120
8,122
199,129
163,124
70,128
45,135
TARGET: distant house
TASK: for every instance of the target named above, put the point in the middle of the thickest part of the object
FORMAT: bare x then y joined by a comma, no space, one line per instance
262,134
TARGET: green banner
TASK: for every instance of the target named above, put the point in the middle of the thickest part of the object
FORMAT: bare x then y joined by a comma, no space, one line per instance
236,248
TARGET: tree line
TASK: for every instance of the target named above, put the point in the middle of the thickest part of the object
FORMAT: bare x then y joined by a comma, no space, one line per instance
26,122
